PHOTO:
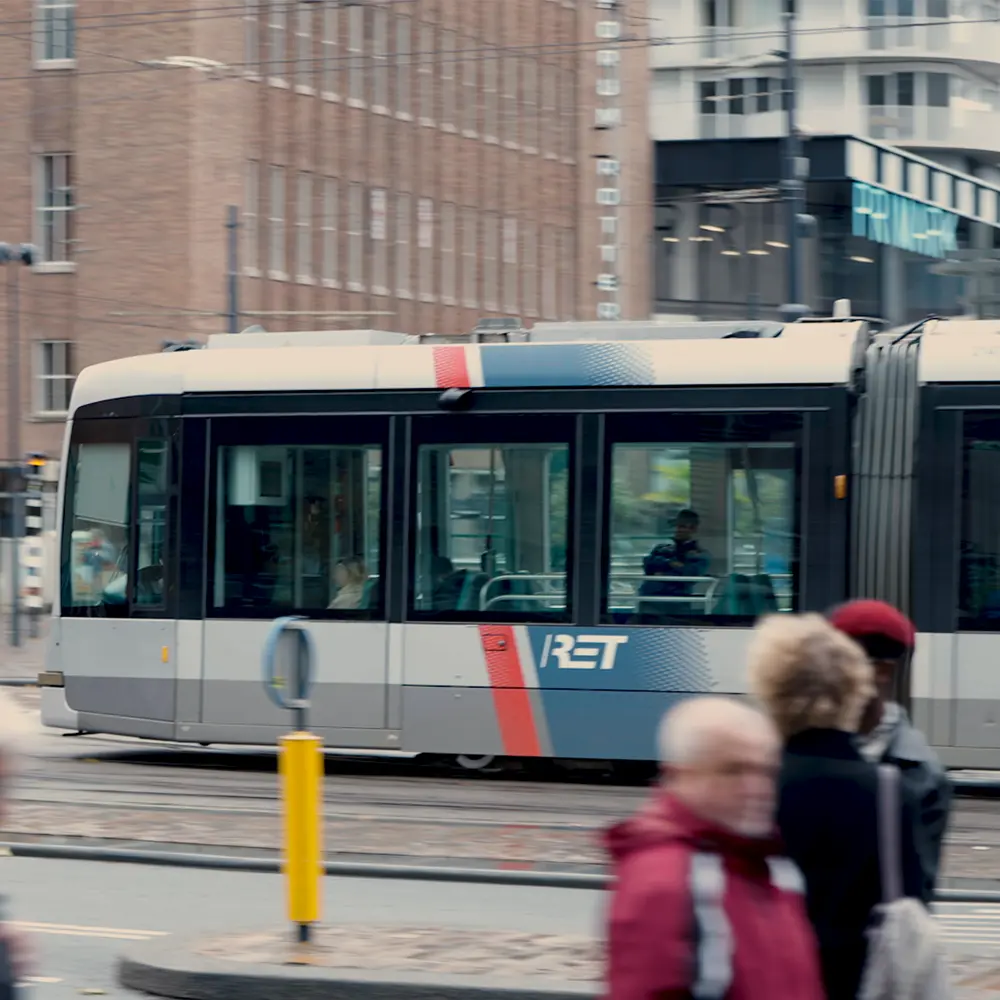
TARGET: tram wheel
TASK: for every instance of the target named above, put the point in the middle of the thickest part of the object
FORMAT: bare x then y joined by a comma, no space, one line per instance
482,762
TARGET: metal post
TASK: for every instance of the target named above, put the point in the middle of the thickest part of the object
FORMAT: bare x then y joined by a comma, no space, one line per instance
14,445
301,769
792,183
232,279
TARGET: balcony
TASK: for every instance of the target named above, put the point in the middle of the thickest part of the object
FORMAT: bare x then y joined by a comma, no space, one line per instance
965,125
955,40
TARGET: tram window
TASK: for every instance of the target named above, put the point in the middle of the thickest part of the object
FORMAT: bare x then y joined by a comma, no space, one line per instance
701,529
95,552
979,582
491,531
298,529
152,486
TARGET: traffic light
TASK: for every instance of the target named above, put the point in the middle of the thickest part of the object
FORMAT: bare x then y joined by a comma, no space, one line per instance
34,467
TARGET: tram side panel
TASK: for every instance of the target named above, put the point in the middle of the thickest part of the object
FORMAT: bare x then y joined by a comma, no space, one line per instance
557,691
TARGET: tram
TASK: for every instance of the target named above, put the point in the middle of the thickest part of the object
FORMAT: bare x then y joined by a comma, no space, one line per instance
521,549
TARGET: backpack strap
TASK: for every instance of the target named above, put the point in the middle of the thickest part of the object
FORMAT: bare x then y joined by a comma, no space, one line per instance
890,806
713,953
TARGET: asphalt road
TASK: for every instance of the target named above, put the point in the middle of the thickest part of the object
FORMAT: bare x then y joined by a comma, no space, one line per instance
82,915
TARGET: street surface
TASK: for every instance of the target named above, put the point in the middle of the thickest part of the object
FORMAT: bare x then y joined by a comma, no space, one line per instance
83,914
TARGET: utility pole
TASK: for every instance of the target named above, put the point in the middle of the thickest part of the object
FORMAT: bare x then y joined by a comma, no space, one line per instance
794,171
233,276
11,256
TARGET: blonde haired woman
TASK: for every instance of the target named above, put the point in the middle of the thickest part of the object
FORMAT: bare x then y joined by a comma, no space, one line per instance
350,576
816,683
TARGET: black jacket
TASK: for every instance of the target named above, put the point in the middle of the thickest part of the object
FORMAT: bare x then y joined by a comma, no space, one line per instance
827,813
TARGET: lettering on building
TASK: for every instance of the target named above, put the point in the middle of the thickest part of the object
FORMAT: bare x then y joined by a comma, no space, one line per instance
897,220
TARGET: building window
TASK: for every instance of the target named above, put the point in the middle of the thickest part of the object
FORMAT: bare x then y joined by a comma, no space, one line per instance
549,124
762,94
567,275
490,279
470,96
356,53
53,376
707,97
303,229
251,208
425,70
377,203
510,265
355,236
448,261
328,228
276,224
736,97
58,30
491,96
529,290
470,251
278,25
529,93
403,209
449,47
380,55
566,114
331,28
55,207
549,307
425,248
251,36
510,111
304,47
404,66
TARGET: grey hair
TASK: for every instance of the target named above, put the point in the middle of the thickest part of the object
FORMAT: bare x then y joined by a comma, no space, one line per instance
690,727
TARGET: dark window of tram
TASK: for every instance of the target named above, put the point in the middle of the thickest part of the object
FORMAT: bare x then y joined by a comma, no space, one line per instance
701,529
152,487
979,586
298,529
491,531
95,547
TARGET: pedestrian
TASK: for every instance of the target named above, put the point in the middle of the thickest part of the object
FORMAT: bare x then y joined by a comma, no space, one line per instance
16,957
816,683
704,904
886,735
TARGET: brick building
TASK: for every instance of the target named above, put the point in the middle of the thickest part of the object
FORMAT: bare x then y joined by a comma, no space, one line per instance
406,164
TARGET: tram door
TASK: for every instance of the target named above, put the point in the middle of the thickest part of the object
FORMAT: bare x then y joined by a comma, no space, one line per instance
297,530
491,524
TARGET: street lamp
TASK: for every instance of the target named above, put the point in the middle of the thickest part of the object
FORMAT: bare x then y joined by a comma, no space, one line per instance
26,254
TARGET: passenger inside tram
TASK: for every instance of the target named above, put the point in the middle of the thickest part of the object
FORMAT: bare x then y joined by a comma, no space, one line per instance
350,575
684,559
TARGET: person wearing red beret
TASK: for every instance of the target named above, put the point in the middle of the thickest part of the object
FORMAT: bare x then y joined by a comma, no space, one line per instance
886,734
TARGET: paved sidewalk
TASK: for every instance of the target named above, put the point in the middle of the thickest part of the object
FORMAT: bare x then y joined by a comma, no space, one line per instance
405,961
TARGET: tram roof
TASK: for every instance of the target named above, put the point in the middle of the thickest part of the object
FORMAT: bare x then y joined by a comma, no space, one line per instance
960,351
814,353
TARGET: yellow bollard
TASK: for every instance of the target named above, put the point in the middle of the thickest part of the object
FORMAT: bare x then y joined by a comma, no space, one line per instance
301,768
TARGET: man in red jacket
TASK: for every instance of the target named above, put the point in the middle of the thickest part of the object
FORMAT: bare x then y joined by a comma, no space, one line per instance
705,905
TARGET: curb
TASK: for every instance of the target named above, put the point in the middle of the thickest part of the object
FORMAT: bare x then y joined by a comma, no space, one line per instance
373,870
343,869
174,970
